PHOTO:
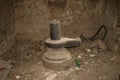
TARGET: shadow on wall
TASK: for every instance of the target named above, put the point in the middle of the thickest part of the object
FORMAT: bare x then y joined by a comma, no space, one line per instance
7,27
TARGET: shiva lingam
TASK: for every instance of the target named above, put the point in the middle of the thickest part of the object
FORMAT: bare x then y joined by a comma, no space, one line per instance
57,57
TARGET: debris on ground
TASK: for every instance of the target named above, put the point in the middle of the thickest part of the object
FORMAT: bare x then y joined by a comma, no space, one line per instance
95,50
79,57
68,72
86,63
17,77
88,50
52,76
116,47
93,46
113,58
101,44
79,70
76,68
100,78
4,69
28,64
92,55
93,62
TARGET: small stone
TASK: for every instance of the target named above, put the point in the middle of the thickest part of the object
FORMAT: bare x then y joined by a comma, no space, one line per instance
86,63
32,70
71,70
113,58
79,70
39,63
95,50
38,53
76,68
17,77
79,57
68,12
100,78
92,55
116,47
93,62
78,12
88,50
52,76
82,54
46,73
99,61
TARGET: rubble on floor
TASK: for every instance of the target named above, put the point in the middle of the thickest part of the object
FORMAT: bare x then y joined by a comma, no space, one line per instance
96,64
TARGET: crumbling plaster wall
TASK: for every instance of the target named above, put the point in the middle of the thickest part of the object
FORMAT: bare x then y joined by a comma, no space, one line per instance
7,28
77,17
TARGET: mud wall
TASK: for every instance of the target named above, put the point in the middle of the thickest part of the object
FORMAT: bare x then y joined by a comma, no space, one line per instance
77,17
7,28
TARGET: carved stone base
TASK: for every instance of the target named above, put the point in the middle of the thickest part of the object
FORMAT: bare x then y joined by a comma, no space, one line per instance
57,59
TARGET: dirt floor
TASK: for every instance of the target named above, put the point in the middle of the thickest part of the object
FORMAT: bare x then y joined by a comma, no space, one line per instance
96,64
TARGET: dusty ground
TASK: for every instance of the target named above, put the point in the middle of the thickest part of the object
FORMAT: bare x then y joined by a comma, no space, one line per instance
26,58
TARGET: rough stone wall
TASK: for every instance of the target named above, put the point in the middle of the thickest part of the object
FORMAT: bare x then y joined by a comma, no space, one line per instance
6,25
118,21
77,17
31,18
111,22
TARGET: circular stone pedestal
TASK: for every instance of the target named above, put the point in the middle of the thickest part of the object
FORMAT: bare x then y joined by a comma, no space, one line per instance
57,59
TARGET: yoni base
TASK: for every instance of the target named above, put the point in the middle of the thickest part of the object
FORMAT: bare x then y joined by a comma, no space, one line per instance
57,59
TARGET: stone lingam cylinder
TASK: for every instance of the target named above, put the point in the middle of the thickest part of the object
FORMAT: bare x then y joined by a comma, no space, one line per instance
55,30
56,57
